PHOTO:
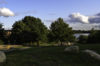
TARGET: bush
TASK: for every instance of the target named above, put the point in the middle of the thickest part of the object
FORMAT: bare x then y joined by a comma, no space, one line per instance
1,42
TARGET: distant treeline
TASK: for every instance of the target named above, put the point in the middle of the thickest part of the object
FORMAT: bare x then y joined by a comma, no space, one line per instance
94,37
83,31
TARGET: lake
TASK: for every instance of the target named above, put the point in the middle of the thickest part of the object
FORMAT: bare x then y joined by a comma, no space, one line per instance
78,34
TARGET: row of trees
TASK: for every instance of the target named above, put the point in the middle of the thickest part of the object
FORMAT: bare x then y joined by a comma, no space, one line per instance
31,29
94,37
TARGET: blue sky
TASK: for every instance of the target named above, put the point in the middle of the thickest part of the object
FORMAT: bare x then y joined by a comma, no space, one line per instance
48,9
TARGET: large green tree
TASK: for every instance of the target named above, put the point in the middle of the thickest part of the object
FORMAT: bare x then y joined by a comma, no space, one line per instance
60,31
29,29
17,35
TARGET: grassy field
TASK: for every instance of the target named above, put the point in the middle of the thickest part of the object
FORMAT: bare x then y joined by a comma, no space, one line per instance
51,56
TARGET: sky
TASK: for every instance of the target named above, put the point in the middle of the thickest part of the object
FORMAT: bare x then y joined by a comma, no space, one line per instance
79,14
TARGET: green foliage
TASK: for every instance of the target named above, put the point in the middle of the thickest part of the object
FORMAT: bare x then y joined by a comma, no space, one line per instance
60,31
2,34
1,25
19,32
1,42
82,39
29,29
94,37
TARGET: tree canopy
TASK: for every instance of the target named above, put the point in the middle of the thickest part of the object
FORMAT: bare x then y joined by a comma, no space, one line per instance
2,34
29,29
60,31
94,36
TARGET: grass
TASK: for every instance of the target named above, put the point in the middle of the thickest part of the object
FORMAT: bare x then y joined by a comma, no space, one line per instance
6,47
50,56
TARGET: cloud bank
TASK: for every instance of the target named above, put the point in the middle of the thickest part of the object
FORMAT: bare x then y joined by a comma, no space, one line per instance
95,18
77,17
81,22
6,12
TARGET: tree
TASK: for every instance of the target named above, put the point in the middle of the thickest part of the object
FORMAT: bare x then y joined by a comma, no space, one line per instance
94,36
17,35
2,33
60,31
1,26
29,29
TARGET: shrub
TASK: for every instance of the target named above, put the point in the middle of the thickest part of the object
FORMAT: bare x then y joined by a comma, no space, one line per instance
1,42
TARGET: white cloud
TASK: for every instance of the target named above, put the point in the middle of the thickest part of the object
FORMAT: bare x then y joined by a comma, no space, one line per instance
95,18
77,17
82,22
80,26
6,12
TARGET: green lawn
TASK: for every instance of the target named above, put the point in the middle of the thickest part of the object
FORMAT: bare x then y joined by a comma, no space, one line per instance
50,56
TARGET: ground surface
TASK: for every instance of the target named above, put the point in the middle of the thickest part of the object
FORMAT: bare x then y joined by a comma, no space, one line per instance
50,56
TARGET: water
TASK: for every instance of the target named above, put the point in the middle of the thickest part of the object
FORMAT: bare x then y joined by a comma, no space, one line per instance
78,34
